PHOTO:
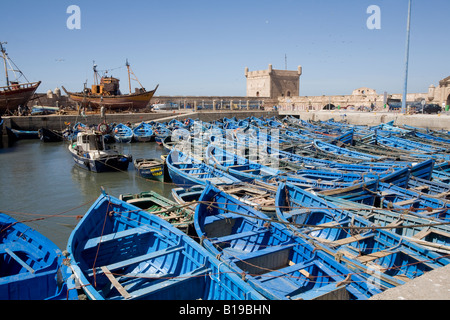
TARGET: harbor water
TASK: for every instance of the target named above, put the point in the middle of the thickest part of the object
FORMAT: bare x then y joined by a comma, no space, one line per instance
41,186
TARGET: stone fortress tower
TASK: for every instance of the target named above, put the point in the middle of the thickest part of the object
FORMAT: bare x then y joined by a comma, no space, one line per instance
273,83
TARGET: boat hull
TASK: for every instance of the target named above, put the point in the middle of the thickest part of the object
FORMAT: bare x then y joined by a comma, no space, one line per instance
139,256
107,164
32,266
131,101
152,169
11,97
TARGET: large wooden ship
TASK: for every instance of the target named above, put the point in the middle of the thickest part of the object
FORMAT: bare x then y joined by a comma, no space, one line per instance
106,93
14,94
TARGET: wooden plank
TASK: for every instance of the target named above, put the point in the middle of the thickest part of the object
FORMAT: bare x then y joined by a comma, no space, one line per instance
116,283
349,240
374,256
406,202
20,261
422,233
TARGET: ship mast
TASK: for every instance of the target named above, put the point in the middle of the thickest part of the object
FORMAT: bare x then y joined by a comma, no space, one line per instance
94,67
4,61
129,79
129,76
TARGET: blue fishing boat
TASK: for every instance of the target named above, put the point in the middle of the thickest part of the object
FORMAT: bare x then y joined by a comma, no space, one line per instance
90,152
185,171
434,189
149,168
343,152
161,132
363,192
354,237
237,166
395,197
32,267
123,133
272,259
177,215
413,147
434,236
120,252
143,132
296,161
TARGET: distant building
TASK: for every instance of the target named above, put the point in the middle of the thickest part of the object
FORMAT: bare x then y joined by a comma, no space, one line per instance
273,83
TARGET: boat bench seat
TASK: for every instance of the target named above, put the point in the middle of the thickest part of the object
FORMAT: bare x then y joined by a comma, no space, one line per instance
329,289
220,180
94,242
284,272
296,212
263,252
407,202
236,236
138,259
219,217
17,246
167,284
11,247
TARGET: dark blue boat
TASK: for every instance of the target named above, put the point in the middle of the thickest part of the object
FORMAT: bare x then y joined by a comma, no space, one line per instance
354,237
120,252
237,166
16,134
90,152
32,267
272,259
149,168
186,171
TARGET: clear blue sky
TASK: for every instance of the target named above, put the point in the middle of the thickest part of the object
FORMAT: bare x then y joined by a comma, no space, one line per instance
201,47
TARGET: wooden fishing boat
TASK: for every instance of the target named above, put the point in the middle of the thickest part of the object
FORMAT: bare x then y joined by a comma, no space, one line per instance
274,261
32,267
48,135
237,166
150,168
120,252
90,152
185,171
143,132
356,238
434,236
123,133
180,216
14,94
106,93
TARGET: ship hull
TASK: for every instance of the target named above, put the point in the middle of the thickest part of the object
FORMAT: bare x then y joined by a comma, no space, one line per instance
11,97
130,101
